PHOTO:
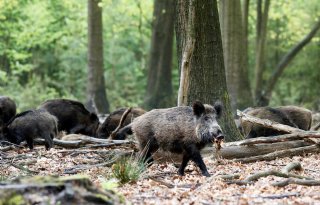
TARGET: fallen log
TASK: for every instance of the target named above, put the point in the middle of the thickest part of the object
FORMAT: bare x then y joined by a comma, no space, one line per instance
281,153
279,138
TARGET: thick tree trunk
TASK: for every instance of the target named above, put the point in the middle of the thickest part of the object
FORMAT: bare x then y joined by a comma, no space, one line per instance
265,98
159,88
234,56
200,50
262,20
96,92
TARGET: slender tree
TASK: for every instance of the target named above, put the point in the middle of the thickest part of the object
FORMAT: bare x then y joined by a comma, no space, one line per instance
96,92
201,59
159,87
234,42
261,28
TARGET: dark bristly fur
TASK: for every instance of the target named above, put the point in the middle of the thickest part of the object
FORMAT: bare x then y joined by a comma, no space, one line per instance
7,110
287,115
185,130
31,124
112,121
72,116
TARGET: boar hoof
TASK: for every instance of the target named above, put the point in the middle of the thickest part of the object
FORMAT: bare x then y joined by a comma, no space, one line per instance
181,173
206,174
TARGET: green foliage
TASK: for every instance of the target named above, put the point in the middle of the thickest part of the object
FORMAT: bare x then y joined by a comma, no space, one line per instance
43,50
128,169
288,23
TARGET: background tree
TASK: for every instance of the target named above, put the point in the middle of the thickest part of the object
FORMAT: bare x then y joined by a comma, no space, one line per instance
159,83
234,40
201,59
96,92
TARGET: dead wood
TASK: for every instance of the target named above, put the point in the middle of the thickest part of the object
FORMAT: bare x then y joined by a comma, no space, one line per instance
77,141
268,123
53,190
22,168
235,152
316,127
123,117
304,182
281,153
292,178
280,138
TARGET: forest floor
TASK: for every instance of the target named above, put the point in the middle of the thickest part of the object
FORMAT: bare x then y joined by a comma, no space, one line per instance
160,183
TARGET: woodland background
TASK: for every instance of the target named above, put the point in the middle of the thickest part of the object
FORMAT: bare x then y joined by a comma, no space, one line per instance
44,46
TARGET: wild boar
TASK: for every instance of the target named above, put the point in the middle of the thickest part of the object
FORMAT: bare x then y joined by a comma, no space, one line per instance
113,120
300,116
31,124
252,130
73,117
7,110
184,130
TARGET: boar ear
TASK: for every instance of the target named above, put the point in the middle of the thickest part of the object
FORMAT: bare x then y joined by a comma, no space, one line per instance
93,116
218,107
198,108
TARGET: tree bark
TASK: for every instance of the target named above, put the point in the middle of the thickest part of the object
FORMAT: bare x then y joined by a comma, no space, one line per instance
262,20
234,58
96,92
159,87
205,75
265,98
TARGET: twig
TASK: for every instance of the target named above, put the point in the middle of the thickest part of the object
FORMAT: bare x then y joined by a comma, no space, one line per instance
23,168
293,178
297,181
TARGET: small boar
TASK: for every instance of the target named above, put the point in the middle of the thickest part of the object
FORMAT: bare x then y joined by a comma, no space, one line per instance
183,130
7,110
251,130
113,120
31,124
72,116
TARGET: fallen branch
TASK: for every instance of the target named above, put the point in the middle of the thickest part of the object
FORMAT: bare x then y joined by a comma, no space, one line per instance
280,138
281,153
292,178
303,182
77,141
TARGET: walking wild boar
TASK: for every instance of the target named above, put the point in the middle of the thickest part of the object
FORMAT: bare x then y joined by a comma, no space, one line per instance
29,125
72,116
7,110
184,130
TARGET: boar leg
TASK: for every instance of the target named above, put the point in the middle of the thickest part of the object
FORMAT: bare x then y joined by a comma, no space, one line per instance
48,141
76,129
29,142
185,160
196,157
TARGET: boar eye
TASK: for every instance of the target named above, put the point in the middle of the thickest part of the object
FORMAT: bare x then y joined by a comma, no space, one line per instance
206,118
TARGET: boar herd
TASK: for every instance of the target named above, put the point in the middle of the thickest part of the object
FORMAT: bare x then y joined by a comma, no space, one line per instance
184,130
